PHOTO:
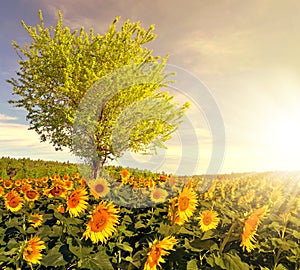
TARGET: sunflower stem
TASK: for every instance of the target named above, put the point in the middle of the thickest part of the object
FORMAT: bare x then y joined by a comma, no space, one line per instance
223,244
119,258
276,258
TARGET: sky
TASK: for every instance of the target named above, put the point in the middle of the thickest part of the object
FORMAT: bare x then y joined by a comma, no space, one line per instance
238,63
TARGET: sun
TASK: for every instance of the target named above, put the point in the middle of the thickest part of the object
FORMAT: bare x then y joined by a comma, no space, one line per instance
284,141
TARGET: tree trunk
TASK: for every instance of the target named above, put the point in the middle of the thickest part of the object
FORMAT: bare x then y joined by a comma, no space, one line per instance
95,167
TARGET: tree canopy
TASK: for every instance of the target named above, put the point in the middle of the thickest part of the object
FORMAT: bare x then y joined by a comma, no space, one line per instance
68,77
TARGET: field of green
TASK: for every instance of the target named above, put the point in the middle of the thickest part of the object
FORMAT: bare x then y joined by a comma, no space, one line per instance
53,218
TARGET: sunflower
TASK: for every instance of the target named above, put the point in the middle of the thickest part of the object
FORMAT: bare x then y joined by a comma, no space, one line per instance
44,179
61,209
151,183
208,220
31,195
18,183
35,220
77,202
69,185
275,195
250,228
81,181
125,174
158,195
7,184
29,180
25,187
1,191
32,251
249,197
172,210
158,250
102,223
13,201
56,191
76,176
187,202
99,187
163,177
66,177
17,189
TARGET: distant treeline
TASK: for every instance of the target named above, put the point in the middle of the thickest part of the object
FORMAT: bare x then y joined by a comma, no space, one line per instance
26,167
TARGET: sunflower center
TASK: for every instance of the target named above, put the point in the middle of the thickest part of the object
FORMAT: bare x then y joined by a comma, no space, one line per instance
31,194
183,203
56,191
207,220
73,201
156,194
28,251
154,255
124,174
99,188
25,187
18,183
99,222
14,202
68,184
7,184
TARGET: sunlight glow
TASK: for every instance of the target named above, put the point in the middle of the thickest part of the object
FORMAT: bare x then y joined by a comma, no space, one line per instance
284,142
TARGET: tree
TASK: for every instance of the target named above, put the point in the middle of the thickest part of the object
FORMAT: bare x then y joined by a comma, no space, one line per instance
76,87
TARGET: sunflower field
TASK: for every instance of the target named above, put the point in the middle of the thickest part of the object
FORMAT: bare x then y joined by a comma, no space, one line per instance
237,221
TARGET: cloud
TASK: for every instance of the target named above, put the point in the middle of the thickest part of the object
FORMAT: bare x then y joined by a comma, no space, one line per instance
17,141
4,117
207,37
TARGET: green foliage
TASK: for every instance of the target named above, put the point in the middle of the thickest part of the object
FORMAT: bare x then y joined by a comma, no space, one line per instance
3,174
25,167
59,66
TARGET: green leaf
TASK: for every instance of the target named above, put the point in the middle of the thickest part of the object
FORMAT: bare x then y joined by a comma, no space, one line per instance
234,262
4,258
136,259
12,243
139,225
124,246
14,222
73,221
294,220
211,260
99,261
219,261
30,230
56,231
127,219
208,235
281,267
192,265
186,231
44,231
79,251
187,245
128,259
164,229
296,234
60,217
198,244
263,268
54,258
